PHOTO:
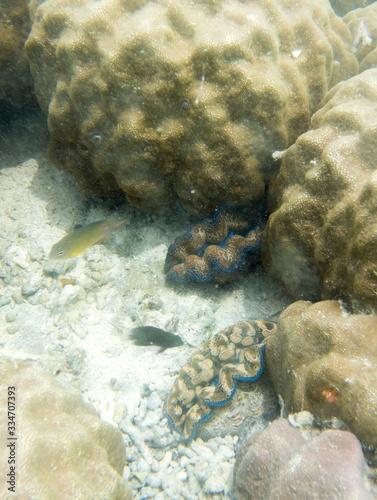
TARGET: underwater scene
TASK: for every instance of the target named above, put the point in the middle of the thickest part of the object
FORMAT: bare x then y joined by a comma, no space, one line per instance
188,249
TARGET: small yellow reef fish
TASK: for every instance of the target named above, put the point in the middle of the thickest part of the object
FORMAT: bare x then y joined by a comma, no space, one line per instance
75,243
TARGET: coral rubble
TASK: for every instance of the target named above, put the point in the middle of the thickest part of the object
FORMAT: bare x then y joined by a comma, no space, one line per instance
321,238
323,360
234,354
151,98
63,450
210,250
279,463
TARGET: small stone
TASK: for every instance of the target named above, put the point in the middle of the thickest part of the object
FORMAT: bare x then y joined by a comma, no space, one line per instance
131,453
20,256
181,476
12,328
187,452
17,296
142,465
10,316
70,294
202,450
151,419
154,401
31,287
147,492
165,462
193,483
160,496
76,360
4,301
214,485
154,465
153,480
301,419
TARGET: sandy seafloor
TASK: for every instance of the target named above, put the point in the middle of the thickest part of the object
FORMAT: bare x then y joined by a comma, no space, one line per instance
79,332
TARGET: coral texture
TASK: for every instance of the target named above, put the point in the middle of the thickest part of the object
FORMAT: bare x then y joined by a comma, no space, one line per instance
325,361
16,83
209,250
152,97
321,239
235,353
362,23
279,463
63,450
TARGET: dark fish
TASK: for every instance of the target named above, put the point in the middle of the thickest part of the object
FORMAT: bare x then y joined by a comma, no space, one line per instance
150,335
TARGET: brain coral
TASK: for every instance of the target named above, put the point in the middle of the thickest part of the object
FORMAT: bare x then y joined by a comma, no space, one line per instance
16,83
321,240
363,25
278,463
182,100
63,450
325,361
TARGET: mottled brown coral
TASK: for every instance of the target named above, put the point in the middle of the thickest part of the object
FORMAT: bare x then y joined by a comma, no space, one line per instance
323,360
63,450
182,100
363,25
278,463
16,83
321,239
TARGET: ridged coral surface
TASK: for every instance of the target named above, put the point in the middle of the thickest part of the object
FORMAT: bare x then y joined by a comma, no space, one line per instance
182,100
321,239
16,83
323,360
278,463
363,26
63,450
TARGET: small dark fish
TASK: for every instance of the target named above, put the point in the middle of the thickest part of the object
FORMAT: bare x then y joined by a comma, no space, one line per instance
150,335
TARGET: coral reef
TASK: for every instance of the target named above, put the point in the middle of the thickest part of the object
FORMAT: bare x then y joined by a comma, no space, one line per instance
279,463
321,238
63,450
210,377
362,23
16,82
323,360
151,98
209,250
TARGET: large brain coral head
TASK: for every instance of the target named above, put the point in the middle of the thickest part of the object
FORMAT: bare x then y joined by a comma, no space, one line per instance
182,100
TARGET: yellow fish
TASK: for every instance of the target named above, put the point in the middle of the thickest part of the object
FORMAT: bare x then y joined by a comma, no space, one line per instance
75,243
